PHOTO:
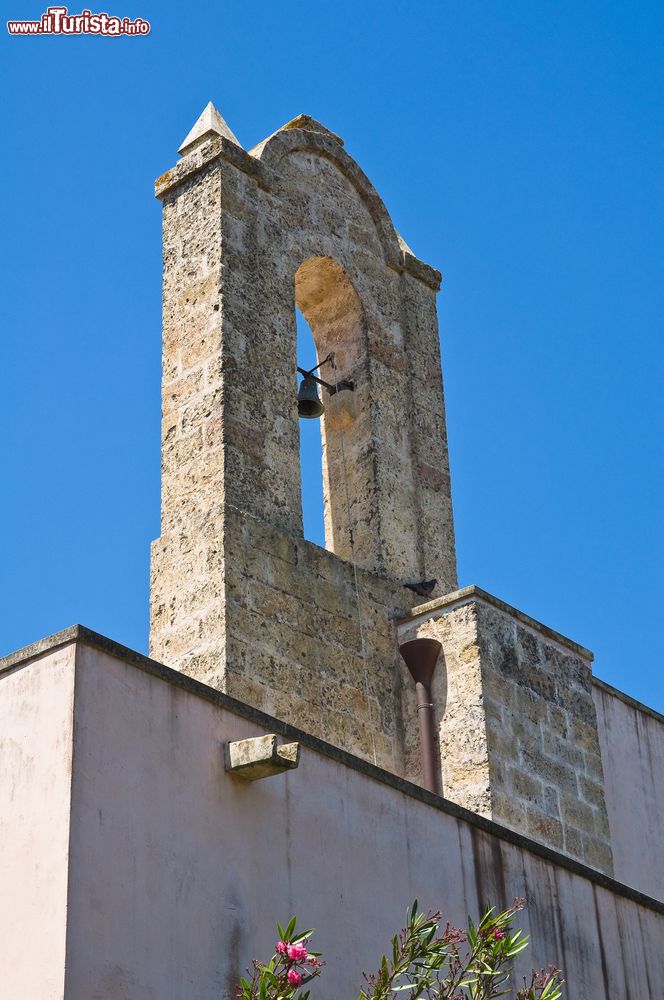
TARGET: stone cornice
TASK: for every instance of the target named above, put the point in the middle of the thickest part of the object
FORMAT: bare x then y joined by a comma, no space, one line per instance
208,151
473,594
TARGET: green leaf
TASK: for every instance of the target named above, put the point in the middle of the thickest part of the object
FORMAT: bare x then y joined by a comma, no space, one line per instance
302,935
468,981
551,991
289,930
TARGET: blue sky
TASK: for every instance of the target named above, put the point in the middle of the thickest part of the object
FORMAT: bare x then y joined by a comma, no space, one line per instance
518,148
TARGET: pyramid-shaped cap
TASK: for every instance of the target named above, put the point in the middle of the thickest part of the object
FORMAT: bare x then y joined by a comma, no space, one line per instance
209,123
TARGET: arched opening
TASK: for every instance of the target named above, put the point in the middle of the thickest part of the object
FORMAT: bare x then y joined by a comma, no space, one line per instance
332,310
311,465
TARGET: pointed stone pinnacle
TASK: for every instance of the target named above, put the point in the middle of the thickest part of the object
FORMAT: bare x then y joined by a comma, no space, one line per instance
210,122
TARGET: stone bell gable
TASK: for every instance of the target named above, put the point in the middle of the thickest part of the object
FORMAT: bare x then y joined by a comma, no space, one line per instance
239,598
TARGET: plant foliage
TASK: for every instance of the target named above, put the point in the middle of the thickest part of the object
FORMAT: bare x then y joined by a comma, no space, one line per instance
423,961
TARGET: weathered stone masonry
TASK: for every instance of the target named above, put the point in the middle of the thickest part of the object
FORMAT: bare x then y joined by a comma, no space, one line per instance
239,599
517,723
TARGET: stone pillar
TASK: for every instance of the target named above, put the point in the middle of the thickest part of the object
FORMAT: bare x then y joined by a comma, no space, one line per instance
516,723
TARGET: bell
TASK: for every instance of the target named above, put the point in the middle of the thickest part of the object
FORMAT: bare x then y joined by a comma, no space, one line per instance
308,400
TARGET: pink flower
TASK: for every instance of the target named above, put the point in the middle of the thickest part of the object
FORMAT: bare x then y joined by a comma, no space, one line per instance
453,935
297,952
294,978
496,935
282,947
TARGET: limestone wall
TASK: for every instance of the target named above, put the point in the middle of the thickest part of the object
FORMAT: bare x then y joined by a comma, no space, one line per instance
516,722
296,649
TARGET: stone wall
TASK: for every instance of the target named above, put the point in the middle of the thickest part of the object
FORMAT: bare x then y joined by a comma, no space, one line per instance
294,646
516,723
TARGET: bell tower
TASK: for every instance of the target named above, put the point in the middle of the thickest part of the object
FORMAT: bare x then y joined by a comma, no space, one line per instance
238,598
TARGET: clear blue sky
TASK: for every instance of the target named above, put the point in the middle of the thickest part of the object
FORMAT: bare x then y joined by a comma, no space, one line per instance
518,147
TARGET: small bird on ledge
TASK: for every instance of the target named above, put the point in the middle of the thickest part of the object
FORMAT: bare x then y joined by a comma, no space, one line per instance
423,589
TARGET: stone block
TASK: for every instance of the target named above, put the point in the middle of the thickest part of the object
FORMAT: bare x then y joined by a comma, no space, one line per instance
260,757
578,814
526,787
544,828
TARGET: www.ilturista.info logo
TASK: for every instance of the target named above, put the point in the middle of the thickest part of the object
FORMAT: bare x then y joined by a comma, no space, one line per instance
58,21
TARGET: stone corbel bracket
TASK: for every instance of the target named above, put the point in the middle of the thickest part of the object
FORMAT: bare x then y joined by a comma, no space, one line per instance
260,757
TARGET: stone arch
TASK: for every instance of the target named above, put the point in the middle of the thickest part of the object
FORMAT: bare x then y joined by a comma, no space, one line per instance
332,308
288,141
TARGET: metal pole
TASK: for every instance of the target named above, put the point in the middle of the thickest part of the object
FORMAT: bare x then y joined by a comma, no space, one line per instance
427,742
